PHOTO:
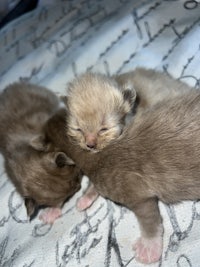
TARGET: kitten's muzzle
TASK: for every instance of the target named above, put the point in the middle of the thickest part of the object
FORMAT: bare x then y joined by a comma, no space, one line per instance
91,140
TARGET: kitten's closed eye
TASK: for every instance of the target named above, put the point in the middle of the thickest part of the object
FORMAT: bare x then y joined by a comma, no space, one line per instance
76,129
102,130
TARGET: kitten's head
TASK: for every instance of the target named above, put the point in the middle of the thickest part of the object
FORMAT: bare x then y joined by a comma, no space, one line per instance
43,176
97,110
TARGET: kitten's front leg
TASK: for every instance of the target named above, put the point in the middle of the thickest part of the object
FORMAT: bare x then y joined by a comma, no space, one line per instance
87,199
148,248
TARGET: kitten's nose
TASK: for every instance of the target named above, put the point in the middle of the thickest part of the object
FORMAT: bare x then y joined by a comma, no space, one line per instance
91,145
91,141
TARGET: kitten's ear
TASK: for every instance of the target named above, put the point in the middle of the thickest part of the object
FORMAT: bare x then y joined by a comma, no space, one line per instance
38,142
62,160
129,94
31,207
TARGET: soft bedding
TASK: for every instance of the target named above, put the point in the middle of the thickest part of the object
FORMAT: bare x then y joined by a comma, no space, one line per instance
50,46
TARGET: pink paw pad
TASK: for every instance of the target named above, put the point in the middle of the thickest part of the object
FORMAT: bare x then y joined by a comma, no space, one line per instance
50,215
83,203
148,250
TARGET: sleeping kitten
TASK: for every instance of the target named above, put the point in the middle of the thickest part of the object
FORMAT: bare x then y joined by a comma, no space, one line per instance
157,152
100,107
43,176
97,110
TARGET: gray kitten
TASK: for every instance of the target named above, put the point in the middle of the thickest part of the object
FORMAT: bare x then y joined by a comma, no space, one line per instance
41,175
156,158
96,98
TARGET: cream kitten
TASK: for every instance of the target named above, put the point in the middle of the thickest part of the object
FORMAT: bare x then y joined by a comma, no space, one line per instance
97,110
100,107
156,158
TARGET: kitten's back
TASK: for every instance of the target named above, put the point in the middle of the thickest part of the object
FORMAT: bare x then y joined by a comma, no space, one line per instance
152,86
24,108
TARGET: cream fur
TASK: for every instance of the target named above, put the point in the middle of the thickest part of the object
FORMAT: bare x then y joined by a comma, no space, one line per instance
97,109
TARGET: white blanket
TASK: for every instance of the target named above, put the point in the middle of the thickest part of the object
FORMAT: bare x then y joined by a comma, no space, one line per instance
50,46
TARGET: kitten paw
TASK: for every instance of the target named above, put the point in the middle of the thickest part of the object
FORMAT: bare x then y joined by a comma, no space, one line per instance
84,202
148,250
87,199
50,215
